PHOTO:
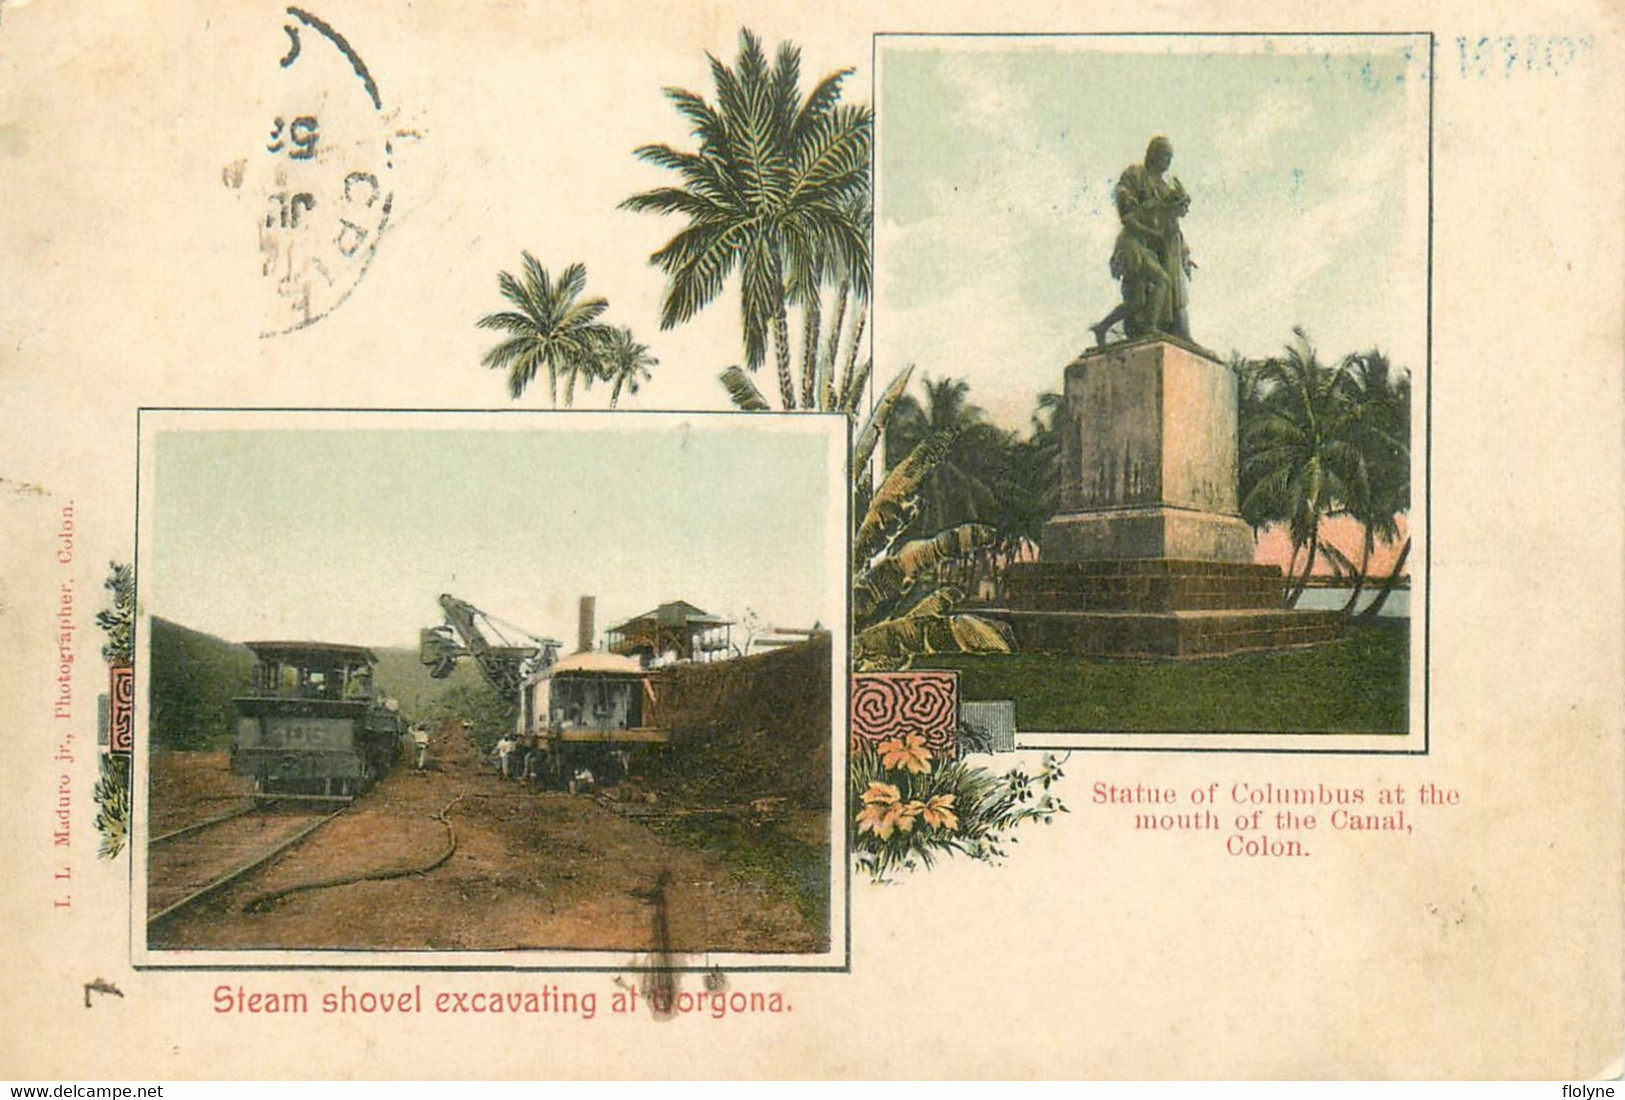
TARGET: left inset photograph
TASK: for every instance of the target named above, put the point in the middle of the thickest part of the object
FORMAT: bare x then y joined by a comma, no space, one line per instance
467,689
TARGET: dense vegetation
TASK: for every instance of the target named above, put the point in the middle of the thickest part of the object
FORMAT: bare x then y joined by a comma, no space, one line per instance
195,677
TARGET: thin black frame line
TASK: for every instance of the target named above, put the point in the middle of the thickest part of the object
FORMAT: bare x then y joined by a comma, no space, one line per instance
799,414
1255,750
1154,34
135,697
1427,475
1427,432
844,794
365,968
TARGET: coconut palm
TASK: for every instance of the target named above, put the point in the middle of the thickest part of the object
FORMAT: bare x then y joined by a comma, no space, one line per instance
550,327
1030,492
965,486
624,362
768,191
1379,400
855,277
1299,462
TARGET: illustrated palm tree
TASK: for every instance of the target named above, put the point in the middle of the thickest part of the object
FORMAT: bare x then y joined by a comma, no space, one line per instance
550,327
625,363
769,191
1299,463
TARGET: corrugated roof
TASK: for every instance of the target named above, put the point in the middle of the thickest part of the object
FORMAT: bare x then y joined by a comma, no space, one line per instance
675,613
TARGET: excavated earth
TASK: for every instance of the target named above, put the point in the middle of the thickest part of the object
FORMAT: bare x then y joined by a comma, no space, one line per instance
527,869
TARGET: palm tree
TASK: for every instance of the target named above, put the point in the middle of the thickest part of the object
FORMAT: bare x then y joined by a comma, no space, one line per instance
903,603
854,286
1379,399
769,190
552,328
624,362
963,488
1299,463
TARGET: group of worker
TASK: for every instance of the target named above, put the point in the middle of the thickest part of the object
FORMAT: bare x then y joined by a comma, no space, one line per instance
527,765
513,762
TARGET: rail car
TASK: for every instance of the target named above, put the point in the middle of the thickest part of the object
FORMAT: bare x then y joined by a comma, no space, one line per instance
583,714
313,722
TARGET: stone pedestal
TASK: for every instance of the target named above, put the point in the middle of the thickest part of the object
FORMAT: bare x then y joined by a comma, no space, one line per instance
1148,458
1147,556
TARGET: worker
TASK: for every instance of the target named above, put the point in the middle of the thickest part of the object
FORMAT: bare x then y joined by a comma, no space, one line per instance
504,750
420,740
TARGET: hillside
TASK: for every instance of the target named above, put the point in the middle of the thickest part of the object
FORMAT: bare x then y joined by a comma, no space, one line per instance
195,676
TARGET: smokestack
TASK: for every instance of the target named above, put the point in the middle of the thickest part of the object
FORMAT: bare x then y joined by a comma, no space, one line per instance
585,631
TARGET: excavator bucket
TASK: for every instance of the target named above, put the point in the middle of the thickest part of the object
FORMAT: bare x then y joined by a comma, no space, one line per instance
439,649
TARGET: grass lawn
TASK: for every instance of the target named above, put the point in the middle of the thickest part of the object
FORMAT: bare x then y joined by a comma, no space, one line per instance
1358,685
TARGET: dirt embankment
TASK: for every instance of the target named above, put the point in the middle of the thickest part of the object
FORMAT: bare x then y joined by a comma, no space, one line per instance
754,728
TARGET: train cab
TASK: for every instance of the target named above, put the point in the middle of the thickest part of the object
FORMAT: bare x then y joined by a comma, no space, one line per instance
314,722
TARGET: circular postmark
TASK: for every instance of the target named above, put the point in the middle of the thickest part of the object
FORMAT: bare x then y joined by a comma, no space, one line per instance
323,176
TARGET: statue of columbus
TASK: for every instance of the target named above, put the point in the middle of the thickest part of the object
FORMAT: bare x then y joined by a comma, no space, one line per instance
1150,260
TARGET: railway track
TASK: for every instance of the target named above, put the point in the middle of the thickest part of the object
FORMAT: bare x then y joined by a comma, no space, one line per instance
190,865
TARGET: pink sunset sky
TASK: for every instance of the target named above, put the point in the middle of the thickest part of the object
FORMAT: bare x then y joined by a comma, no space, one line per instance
1274,546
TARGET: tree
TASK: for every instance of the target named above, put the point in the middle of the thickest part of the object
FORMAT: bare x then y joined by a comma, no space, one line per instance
1320,441
964,486
1298,463
855,287
624,362
552,328
903,605
770,190
1379,397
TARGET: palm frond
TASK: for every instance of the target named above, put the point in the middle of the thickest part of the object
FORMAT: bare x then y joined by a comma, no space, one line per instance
743,392
863,450
894,502
889,580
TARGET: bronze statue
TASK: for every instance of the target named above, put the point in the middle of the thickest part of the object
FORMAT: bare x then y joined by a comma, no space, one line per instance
1150,260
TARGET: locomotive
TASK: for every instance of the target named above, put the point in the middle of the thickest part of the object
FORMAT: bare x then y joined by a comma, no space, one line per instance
583,714
313,723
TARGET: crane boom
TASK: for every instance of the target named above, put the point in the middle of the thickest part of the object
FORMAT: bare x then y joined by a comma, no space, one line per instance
503,666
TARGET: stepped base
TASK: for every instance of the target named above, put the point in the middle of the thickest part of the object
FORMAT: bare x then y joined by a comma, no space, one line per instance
1148,586
1177,634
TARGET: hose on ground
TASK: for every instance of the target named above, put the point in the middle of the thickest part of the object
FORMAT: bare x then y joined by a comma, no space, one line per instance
260,902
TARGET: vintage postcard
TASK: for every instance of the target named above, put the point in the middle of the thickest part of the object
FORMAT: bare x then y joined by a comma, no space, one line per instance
742,541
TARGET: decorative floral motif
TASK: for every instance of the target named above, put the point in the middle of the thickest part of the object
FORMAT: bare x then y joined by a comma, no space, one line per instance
884,811
908,752
959,807
938,812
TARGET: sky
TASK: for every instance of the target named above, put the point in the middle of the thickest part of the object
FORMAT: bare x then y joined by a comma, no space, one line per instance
1306,163
348,527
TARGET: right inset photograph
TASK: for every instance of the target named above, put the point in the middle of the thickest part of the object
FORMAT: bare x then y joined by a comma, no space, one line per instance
1167,304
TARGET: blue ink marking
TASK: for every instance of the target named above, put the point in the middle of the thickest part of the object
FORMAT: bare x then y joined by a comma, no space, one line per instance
1509,54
